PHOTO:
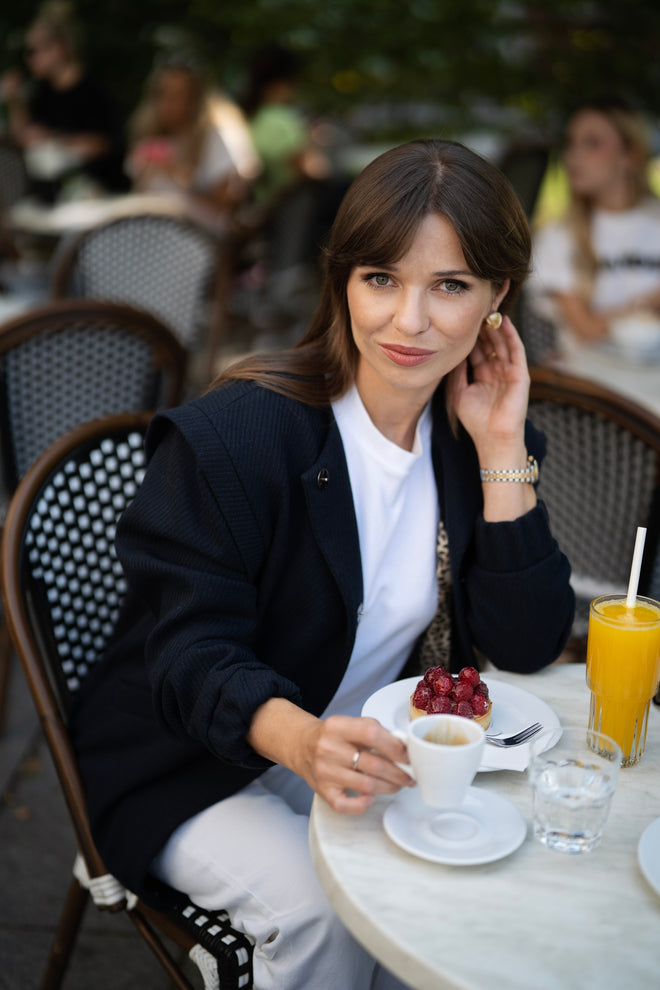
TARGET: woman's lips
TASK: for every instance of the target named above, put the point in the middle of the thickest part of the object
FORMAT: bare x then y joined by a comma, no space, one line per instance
408,357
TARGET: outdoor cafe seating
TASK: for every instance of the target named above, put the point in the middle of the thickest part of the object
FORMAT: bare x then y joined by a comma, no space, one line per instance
63,587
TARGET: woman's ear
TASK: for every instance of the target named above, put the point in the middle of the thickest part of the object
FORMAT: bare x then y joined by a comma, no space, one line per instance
500,293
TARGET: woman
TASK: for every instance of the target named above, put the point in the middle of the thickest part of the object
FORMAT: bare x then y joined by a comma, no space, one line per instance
64,111
281,554
602,261
175,145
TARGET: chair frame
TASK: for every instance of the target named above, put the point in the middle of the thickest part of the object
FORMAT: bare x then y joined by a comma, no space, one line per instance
202,927
211,342
168,356
558,387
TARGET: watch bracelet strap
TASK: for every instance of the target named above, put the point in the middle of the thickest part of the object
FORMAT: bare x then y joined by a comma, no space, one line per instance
526,475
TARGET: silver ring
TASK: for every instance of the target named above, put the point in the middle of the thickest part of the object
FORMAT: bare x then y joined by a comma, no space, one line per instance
354,761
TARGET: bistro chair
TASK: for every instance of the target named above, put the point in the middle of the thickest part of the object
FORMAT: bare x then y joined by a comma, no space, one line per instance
600,480
66,363
14,181
63,587
165,264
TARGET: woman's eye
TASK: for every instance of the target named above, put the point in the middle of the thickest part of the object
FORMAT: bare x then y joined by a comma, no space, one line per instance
452,286
379,279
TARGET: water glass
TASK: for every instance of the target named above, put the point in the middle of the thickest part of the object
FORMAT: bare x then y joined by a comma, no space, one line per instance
573,773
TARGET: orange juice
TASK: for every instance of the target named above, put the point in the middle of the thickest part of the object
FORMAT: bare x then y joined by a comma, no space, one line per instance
623,669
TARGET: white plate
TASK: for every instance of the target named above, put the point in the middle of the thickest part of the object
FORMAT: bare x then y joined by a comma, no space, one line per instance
497,825
513,708
648,854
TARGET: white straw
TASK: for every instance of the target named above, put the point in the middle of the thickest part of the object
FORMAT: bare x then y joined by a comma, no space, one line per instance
636,566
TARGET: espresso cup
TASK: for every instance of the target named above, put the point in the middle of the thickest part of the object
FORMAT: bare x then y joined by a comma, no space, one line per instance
445,752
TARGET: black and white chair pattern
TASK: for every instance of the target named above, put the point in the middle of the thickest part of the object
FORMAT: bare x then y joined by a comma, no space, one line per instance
69,362
63,588
164,264
600,480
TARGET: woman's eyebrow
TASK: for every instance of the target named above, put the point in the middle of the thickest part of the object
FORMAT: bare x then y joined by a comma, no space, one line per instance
449,273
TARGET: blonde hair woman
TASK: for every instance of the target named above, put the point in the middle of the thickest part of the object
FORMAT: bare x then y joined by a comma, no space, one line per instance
602,260
176,145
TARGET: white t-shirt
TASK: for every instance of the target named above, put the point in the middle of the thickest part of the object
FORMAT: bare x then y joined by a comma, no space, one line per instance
215,163
396,506
627,244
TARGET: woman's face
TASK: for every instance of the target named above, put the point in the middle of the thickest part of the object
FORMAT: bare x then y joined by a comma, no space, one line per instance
44,55
414,320
175,101
596,159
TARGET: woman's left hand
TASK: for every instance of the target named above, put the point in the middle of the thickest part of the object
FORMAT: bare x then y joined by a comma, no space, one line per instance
493,405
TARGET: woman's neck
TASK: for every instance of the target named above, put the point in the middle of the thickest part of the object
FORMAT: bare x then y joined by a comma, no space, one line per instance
616,198
66,76
396,417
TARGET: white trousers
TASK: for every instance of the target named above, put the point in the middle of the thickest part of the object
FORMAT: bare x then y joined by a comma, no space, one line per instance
250,855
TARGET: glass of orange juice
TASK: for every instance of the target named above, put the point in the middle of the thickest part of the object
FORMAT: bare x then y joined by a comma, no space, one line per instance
623,669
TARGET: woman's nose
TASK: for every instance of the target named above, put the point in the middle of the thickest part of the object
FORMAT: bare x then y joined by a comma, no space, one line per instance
411,316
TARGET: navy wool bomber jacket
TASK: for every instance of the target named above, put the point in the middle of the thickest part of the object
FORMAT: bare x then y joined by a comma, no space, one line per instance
242,556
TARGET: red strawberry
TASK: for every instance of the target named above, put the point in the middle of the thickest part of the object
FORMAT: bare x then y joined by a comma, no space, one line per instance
442,683
441,704
471,675
481,689
433,672
479,704
462,691
465,709
422,696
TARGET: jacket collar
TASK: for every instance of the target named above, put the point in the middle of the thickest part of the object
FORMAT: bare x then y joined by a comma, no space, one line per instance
329,500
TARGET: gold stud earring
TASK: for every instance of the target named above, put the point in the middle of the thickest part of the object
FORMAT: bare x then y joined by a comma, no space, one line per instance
494,320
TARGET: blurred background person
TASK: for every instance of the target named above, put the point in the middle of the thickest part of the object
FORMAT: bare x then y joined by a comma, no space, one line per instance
176,145
597,269
279,127
60,116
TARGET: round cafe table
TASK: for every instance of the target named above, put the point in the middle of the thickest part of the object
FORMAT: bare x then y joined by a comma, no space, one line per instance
536,918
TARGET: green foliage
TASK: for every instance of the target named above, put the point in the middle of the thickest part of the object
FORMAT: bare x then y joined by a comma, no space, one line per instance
415,64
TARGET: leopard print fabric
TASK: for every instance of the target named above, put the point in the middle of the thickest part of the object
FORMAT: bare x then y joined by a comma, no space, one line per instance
435,647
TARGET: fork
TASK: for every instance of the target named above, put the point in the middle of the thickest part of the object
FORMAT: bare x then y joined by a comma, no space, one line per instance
516,738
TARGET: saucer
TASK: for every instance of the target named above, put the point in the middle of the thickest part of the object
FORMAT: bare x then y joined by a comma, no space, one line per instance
486,827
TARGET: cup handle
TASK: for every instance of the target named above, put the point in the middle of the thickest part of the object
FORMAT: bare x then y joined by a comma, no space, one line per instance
406,767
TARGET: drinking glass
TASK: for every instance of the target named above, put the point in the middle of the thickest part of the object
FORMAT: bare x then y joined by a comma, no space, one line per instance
623,669
573,772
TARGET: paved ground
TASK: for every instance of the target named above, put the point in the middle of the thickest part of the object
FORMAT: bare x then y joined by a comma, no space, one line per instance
36,854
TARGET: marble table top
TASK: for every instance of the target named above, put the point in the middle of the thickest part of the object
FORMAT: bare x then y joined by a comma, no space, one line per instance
536,918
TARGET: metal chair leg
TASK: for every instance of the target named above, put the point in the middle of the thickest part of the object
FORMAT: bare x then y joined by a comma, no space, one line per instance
65,936
159,950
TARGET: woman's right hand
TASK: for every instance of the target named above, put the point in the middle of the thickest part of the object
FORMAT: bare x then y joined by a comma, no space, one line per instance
322,752
350,787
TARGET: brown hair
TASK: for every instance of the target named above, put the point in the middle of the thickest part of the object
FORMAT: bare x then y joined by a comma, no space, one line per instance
375,225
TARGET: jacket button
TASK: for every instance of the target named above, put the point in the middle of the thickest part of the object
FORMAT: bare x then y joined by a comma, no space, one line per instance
322,478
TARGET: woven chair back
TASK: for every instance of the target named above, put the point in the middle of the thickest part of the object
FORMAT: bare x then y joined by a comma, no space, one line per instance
70,362
599,481
162,264
69,565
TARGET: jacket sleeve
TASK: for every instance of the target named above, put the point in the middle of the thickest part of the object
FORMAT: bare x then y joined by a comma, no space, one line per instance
519,600
194,560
